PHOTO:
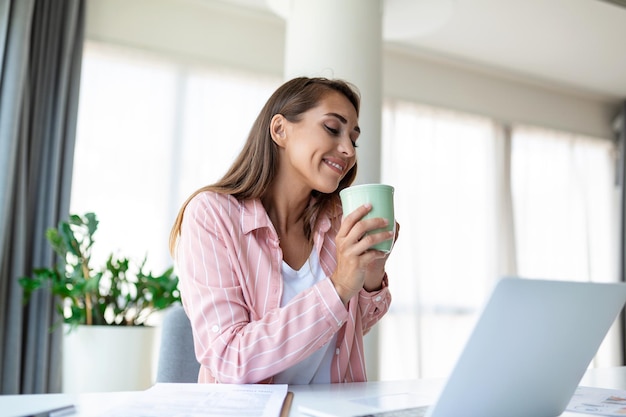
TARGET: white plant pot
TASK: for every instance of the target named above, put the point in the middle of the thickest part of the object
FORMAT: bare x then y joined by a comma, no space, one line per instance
108,358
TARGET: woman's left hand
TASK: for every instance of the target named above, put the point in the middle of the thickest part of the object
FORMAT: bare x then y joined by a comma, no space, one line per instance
376,269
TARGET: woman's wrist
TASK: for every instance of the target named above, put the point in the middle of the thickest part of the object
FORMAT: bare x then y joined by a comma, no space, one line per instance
375,285
344,292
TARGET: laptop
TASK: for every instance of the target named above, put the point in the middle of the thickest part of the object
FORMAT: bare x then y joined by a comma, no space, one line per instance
526,355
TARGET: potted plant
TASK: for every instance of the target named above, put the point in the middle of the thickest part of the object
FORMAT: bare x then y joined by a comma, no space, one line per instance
117,297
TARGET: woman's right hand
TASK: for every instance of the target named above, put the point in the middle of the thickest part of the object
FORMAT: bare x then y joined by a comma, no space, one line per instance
353,253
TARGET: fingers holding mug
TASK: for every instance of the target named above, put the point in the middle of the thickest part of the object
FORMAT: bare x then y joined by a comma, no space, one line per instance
380,197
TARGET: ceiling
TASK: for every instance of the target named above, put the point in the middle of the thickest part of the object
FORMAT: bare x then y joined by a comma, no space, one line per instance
577,45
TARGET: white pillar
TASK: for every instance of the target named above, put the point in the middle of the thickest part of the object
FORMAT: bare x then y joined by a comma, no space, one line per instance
343,39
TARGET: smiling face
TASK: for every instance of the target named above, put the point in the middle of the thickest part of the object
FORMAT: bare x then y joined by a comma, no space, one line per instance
319,149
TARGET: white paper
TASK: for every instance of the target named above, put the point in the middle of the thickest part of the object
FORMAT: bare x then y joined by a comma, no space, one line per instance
206,400
600,401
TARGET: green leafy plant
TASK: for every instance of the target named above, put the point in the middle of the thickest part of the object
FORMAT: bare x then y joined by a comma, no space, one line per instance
119,293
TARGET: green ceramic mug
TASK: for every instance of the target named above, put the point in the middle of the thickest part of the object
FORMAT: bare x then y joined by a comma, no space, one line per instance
380,196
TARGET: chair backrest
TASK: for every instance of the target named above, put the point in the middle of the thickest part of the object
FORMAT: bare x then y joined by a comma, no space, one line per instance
177,359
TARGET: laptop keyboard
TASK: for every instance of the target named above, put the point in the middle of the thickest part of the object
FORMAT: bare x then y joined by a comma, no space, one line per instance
405,412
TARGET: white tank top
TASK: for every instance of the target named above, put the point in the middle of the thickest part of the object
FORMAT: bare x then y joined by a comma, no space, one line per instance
315,369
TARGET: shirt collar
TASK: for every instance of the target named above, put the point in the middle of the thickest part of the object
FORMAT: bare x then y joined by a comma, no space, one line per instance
255,217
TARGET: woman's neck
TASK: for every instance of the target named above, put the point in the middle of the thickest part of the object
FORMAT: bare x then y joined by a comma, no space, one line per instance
286,211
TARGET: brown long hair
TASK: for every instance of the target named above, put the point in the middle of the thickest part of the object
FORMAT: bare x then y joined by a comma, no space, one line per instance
255,167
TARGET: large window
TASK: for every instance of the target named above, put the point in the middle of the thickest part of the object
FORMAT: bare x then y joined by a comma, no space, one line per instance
476,200
151,131
564,204
442,164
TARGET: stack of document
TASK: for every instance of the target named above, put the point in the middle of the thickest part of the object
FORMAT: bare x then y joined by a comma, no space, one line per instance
599,401
206,400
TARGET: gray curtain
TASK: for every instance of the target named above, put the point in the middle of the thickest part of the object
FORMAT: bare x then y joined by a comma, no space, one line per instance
41,45
620,132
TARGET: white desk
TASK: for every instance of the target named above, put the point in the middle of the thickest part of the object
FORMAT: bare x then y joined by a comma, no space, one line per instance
614,378
94,404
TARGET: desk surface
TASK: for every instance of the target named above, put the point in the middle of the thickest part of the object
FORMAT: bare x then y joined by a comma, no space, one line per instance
93,404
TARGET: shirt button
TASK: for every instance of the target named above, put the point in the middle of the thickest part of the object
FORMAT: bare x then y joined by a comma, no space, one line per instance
215,328
378,298
337,351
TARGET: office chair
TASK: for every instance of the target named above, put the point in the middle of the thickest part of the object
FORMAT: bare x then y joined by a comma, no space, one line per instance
177,359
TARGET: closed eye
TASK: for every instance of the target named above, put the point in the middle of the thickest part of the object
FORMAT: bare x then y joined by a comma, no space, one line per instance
331,130
335,132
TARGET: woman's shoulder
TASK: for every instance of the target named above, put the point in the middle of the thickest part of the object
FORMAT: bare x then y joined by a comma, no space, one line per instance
212,198
213,201
222,205
210,207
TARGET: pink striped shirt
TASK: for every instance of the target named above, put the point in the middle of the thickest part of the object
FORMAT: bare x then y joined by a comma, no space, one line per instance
229,263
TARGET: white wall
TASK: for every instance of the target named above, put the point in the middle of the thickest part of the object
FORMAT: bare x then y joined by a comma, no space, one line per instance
195,30
506,100
215,33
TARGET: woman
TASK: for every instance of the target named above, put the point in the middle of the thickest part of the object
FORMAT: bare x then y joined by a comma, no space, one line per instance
278,288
